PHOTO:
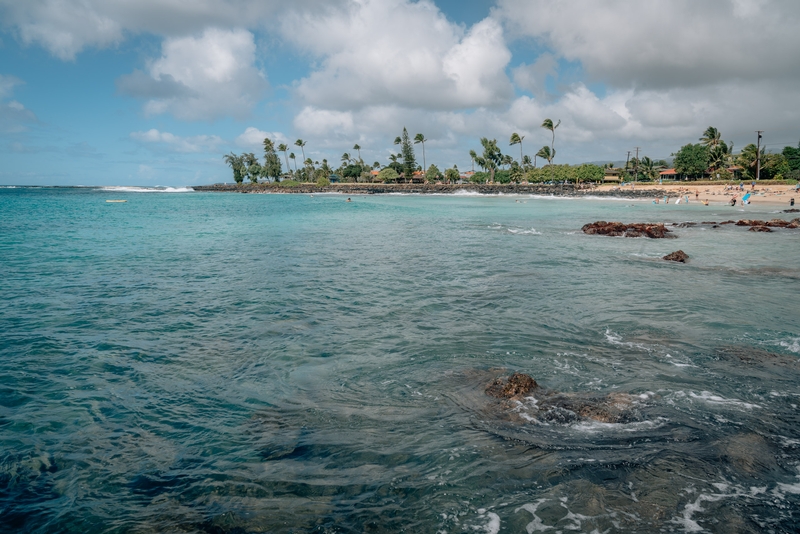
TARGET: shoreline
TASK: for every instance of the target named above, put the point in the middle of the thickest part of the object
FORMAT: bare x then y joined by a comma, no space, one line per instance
766,195
567,190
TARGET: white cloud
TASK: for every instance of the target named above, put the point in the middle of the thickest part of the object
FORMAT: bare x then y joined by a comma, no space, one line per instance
175,143
254,138
665,43
14,116
204,77
398,52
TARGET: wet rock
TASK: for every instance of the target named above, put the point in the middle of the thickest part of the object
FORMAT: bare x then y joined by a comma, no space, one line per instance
678,255
618,229
727,222
749,222
517,386
793,210
708,222
748,453
561,408
760,228
778,223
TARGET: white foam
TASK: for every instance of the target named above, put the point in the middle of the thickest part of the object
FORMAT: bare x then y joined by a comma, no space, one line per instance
592,427
536,525
521,231
615,339
707,396
492,526
467,193
132,189
794,346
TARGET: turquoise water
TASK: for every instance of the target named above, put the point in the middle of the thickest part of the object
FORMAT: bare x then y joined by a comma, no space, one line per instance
201,362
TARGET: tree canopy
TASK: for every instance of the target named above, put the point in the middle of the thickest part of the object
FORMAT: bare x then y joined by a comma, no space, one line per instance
691,160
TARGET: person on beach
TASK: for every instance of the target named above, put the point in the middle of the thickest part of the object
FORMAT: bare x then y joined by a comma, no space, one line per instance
696,195
733,201
705,202
791,201
655,201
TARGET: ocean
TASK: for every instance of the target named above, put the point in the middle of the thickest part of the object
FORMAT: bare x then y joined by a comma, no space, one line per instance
227,363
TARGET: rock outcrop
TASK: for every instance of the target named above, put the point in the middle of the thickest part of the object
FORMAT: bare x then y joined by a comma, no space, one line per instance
618,229
551,406
678,255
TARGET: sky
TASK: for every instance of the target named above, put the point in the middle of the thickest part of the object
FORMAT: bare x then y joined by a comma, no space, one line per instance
156,92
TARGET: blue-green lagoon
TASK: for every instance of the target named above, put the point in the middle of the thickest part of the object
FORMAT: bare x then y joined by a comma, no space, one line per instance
226,363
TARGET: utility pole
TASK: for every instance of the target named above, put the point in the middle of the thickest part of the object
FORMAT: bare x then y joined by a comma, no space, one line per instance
636,167
627,161
758,155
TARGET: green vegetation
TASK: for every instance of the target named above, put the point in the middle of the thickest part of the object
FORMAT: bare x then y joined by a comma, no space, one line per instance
433,174
691,160
388,175
711,157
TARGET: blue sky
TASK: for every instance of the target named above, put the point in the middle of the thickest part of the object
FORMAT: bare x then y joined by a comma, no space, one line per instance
154,92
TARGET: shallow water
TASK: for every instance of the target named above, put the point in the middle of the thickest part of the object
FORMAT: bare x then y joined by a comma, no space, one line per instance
201,362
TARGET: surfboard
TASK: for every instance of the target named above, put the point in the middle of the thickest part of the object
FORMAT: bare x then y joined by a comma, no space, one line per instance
116,201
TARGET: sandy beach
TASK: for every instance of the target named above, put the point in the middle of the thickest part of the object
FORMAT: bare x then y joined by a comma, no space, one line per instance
762,195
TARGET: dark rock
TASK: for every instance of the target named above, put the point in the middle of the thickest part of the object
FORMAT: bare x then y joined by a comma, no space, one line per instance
728,222
517,386
678,255
778,223
708,222
760,228
618,229
793,210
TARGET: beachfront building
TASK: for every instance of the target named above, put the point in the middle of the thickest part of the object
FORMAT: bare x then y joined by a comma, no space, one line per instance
672,174
612,175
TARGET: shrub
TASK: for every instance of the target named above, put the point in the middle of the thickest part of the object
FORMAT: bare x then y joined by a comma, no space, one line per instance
388,175
323,182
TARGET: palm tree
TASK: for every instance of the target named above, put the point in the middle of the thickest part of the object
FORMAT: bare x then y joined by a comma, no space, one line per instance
711,137
547,153
507,160
283,148
358,148
547,124
516,139
302,145
291,157
419,138
346,158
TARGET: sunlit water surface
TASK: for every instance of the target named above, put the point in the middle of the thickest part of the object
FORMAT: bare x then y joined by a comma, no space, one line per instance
226,363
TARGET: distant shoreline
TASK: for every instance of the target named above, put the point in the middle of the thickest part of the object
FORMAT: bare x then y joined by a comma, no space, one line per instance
567,190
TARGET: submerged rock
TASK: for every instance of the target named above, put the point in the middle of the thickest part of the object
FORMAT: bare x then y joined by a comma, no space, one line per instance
618,229
760,228
678,255
560,408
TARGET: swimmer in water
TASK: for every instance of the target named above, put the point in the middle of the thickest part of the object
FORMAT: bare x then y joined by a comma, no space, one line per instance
348,199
